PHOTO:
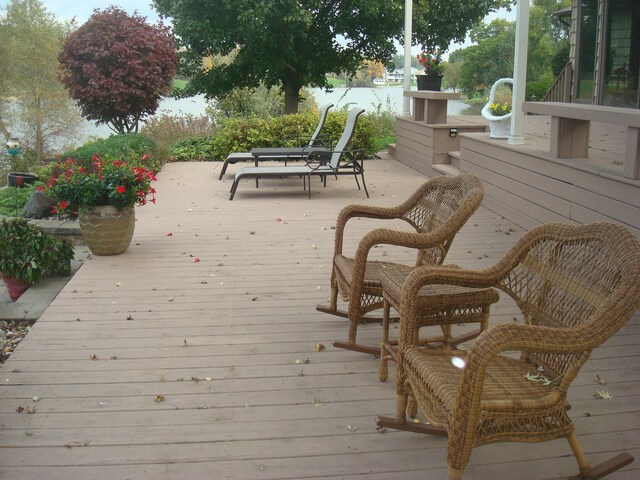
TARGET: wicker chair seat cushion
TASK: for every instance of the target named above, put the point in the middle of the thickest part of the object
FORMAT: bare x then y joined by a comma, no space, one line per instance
372,274
436,298
506,389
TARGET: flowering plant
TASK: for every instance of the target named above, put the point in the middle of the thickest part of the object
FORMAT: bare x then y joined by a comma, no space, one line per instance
116,183
431,61
500,109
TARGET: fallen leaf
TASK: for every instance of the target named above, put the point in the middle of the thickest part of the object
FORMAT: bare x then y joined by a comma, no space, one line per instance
168,234
113,357
319,347
278,219
195,260
35,398
19,409
600,380
159,398
119,284
162,377
604,395
195,379
129,317
352,428
94,357
299,361
317,402
208,379
381,429
75,443
184,342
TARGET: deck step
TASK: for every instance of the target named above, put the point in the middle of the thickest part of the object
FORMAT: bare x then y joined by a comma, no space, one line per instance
446,169
454,158
392,150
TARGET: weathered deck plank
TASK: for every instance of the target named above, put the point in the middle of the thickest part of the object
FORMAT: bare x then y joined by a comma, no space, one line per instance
227,352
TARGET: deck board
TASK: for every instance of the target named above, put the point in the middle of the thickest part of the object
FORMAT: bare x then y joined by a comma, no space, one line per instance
226,341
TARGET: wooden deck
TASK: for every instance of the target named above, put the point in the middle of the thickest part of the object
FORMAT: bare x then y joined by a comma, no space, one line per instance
150,365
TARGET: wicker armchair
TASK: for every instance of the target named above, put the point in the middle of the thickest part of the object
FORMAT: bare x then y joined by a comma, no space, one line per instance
575,286
436,211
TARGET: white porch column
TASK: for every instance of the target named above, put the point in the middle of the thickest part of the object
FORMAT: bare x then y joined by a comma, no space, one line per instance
408,20
519,72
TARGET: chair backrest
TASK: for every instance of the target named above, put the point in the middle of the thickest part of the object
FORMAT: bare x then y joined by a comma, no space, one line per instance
323,118
442,204
347,135
585,278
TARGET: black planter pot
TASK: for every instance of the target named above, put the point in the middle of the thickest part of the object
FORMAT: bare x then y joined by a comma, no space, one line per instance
20,179
429,82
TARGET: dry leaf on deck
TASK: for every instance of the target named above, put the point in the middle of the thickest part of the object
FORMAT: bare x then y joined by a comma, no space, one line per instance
319,347
159,398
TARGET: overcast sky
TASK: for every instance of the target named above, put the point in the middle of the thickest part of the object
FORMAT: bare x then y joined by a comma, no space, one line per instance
81,10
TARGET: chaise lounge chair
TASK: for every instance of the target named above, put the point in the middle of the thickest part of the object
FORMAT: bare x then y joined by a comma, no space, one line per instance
280,153
339,161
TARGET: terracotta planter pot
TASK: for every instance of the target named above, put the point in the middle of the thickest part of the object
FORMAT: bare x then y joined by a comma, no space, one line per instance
429,82
15,287
107,230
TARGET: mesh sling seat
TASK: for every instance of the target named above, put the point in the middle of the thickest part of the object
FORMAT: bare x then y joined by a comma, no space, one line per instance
436,211
318,162
575,287
281,153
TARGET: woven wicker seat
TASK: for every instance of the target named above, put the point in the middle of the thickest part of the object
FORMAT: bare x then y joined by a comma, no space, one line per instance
436,211
575,286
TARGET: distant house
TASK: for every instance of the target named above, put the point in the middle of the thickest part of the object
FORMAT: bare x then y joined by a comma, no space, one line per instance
397,76
604,61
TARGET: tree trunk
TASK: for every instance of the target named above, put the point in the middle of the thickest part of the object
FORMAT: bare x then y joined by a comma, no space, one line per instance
291,91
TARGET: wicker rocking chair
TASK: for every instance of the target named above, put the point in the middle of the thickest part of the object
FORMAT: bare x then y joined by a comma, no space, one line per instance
436,211
576,287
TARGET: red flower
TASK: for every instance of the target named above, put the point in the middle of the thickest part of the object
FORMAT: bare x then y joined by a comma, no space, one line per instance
63,204
121,189
41,188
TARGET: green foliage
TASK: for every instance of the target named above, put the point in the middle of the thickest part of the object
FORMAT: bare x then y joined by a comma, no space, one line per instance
12,200
130,147
167,130
28,254
293,43
535,91
32,99
243,134
560,58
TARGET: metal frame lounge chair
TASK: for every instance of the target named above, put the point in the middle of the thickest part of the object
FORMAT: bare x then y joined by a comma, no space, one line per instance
436,211
575,287
339,161
281,153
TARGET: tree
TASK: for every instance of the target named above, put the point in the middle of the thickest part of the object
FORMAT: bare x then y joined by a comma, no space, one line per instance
117,67
293,43
452,75
40,109
374,69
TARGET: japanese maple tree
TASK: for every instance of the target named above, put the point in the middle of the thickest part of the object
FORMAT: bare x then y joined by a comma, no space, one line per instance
117,68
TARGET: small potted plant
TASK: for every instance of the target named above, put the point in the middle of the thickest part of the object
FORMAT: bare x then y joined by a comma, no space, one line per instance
498,108
103,195
27,254
433,66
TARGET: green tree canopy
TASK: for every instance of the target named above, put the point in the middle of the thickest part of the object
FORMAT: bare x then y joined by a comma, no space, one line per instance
295,43
32,100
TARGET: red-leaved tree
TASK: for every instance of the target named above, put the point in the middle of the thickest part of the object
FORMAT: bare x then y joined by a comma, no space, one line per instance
117,67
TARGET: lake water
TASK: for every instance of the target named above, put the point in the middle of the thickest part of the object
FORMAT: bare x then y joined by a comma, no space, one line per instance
384,98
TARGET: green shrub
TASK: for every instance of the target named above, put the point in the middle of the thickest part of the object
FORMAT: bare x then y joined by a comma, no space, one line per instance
167,130
12,200
535,91
129,147
26,253
243,134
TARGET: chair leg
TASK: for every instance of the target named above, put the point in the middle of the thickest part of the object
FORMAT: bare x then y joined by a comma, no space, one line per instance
364,184
383,371
454,473
412,407
224,169
599,471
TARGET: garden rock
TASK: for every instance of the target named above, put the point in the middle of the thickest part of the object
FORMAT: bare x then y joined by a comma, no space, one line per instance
38,206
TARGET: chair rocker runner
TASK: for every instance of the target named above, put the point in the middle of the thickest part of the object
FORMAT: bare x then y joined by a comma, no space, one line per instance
281,153
339,161
436,211
575,287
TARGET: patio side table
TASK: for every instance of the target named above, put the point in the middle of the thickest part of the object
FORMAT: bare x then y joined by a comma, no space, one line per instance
438,305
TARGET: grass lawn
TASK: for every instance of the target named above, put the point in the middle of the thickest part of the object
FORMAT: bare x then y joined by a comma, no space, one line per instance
179,84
